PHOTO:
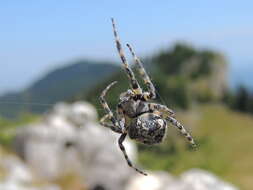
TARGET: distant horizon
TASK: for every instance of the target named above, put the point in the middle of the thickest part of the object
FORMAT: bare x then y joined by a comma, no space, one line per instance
237,76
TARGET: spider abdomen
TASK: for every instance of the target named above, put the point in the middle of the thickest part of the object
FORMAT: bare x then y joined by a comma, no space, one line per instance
147,128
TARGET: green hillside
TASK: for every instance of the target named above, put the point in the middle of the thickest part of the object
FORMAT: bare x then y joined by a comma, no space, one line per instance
190,81
182,76
57,85
224,138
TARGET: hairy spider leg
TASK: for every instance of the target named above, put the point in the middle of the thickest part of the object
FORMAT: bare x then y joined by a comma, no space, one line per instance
122,148
134,83
109,125
182,130
108,111
168,115
161,109
151,89
121,117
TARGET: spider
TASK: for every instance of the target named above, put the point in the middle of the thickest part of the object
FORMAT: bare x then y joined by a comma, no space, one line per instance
142,120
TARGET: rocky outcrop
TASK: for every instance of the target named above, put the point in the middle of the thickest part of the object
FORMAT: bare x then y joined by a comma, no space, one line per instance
16,175
194,179
70,141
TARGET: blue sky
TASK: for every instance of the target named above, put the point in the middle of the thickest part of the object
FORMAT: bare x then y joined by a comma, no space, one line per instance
37,36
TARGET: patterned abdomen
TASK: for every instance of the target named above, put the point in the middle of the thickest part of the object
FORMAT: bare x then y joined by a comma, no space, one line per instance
148,128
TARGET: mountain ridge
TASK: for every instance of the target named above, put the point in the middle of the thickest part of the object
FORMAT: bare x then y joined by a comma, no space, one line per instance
57,85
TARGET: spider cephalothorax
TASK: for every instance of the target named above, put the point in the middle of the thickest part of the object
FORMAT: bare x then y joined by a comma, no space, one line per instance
142,120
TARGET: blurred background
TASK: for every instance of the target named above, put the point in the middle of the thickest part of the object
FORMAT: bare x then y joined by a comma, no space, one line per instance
56,58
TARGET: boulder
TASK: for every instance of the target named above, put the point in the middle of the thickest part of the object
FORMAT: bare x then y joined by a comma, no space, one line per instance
198,179
194,179
16,175
69,140
154,181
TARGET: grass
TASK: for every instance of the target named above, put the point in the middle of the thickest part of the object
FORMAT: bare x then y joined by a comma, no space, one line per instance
70,182
8,127
224,137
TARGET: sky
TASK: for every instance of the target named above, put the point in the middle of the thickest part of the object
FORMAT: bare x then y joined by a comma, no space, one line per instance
38,36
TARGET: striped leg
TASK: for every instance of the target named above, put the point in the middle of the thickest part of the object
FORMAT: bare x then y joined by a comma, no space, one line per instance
106,107
121,117
134,83
182,130
109,125
161,109
144,75
122,148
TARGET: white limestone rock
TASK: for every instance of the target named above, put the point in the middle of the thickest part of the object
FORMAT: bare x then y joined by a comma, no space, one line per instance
198,179
154,181
18,176
69,140
194,179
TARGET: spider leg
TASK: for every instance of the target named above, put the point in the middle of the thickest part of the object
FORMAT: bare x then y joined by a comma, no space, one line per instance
144,75
161,109
106,107
168,115
134,83
109,125
121,117
122,148
182,130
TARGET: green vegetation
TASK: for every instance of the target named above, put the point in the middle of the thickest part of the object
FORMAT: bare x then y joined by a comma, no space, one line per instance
8,127
58,85
224,139
182,75
185,60
70,182
185,78
241,100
